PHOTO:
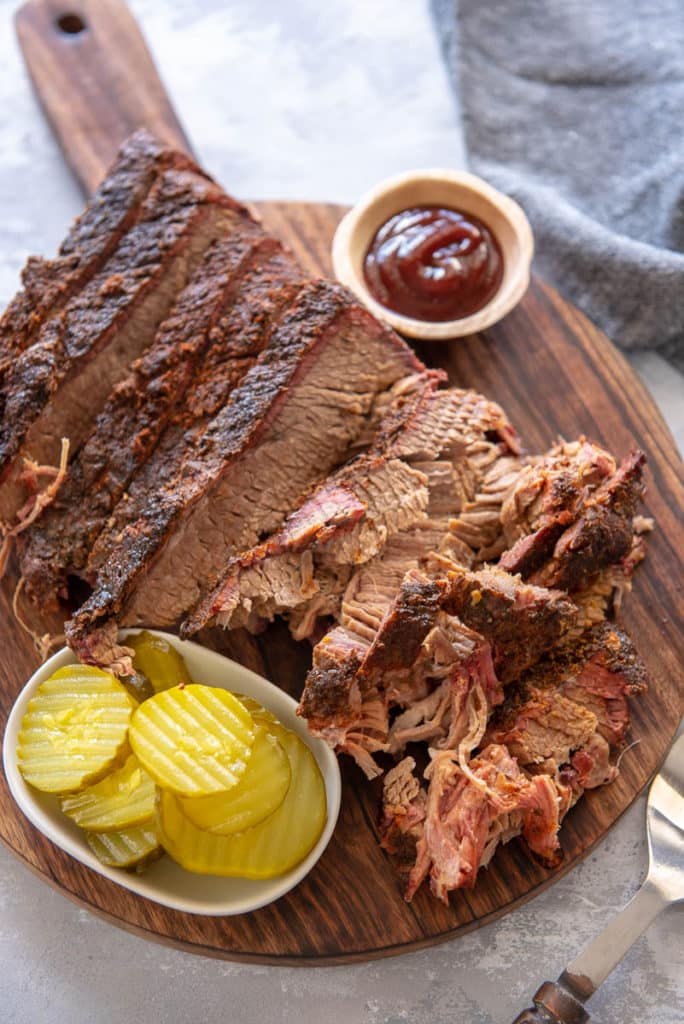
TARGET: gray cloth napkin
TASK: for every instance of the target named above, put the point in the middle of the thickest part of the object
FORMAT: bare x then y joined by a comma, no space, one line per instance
576,109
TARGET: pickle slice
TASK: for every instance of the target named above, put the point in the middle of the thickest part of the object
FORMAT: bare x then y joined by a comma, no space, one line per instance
157,660
74,730
271,848
193,740
130,847
139,687
122,799
260,791
258,712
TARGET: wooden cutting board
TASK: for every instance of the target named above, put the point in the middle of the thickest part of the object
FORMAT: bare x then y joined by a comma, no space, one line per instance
554,373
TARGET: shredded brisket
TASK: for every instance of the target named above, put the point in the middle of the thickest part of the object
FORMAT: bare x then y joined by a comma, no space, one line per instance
468,813
546,499
548,742
444,434
603,532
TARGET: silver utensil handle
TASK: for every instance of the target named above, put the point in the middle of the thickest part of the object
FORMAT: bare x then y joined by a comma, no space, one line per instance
562,1002
584,975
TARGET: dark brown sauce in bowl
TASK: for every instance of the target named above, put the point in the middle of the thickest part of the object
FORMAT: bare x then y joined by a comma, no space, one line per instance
433,263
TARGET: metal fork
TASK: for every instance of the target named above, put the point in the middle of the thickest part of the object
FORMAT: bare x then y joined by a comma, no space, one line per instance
562,1001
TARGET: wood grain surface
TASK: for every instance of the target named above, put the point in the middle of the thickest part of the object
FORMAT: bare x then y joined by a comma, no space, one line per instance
95,79
554,374
552,371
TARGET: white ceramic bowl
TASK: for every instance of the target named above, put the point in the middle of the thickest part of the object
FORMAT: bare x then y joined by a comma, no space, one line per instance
457,190
164,881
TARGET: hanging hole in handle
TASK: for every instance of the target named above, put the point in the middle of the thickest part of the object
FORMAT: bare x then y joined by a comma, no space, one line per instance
71,24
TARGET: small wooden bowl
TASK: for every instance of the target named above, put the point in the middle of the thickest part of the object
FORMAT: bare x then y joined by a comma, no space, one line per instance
457,190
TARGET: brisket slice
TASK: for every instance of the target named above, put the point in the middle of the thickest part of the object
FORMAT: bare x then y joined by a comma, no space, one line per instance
486,480
58,385
267,282
422,434
596,674
485,628
112,211
126,431
400,636
603,533
424,423
344,523
546,499
521,621
457,438
287,425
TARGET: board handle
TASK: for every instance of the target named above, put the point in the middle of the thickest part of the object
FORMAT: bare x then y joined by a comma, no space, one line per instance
95,79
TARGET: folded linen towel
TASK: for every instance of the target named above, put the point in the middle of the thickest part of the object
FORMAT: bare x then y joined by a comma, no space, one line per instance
576,110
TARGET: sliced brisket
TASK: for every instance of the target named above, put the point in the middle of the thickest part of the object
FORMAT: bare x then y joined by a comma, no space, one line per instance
285,427
344,523
57,386
423,435
128,428
265,284
426,423
112,211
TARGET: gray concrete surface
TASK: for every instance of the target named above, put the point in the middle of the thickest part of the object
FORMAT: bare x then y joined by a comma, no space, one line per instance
317,101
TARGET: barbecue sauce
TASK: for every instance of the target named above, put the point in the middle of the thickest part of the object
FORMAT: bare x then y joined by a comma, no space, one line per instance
433,263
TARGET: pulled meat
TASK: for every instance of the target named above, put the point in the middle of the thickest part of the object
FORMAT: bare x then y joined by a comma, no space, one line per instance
466,812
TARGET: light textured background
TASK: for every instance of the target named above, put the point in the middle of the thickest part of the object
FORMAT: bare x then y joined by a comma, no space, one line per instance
317,101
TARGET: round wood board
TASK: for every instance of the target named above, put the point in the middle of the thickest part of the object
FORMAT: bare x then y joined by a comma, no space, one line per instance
554,373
